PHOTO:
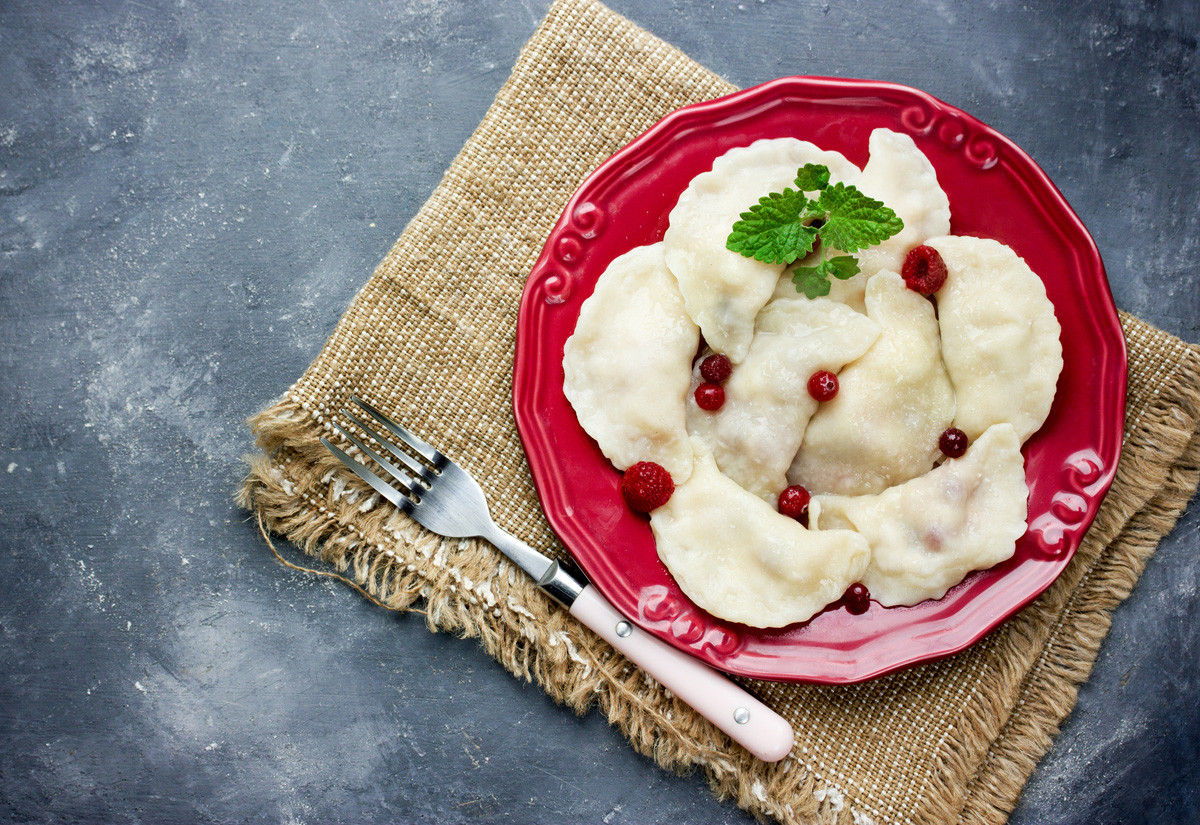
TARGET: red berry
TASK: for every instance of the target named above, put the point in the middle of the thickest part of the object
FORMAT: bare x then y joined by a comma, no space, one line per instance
710,397
822,385
924,271
953,442
793,503
646,486
857,598
716,369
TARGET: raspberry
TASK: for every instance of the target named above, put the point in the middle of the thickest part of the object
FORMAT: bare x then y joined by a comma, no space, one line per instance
924,271
646,486
857,598
710,397
793,503
953,442
822,385
716,369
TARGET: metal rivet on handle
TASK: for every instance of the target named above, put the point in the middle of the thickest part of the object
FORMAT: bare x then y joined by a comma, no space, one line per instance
624,629
741,716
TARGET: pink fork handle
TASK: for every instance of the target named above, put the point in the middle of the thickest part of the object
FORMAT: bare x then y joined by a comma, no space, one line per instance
748,721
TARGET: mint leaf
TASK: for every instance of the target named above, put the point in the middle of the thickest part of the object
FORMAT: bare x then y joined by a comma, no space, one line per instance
812,177
843,267
785,226
813,281
855,221
773,230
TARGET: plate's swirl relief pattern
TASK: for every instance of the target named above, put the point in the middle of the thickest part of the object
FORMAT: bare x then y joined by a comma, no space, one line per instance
659,609
568,242
1080,488
922,119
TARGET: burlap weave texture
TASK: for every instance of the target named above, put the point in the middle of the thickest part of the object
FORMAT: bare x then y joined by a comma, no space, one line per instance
429,339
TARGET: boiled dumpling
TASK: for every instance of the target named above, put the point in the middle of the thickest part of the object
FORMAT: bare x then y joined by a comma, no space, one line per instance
627,365
882,427
739,559
1000,339
756,434
898,174
724,290
928,533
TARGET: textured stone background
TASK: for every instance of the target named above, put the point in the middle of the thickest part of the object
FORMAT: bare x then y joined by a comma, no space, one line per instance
191,193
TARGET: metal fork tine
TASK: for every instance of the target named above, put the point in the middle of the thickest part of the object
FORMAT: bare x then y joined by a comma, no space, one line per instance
402,478
423,448
378,484
415,467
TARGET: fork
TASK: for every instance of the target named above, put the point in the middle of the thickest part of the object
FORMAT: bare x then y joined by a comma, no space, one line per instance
444,498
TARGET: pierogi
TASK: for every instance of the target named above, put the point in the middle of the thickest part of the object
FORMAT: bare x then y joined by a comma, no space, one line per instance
1000,339
723,290
899,175
755,434
735,556
882,428
888,510
627,365
928,533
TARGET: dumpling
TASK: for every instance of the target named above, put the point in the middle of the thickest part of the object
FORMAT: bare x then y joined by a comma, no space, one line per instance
898,174
627,365
928,533
724,290
1000,339
739,559
882,428
756,434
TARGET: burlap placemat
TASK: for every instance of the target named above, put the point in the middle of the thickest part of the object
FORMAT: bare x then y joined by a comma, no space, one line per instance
430,339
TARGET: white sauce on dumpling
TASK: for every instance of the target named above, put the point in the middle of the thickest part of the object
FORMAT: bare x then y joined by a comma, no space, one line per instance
928,533
882,427
756,434
723,290
627,365
1000,338
736,557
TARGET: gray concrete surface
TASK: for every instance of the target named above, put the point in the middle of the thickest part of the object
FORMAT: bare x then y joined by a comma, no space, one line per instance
190,194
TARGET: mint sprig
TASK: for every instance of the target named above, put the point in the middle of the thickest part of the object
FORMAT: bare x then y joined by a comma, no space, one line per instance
785,226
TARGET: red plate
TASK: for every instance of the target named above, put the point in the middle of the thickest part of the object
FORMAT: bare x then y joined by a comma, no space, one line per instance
995,191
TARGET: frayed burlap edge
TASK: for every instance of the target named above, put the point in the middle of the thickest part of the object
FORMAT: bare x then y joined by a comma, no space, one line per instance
1049,691
300,492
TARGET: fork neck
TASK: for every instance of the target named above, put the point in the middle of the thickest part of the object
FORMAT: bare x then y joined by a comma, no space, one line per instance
562,582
